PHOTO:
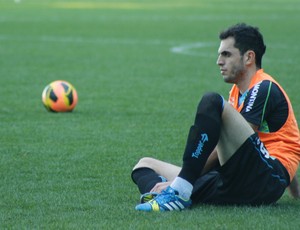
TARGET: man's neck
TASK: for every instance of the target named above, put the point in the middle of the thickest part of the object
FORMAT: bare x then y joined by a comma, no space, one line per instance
245,83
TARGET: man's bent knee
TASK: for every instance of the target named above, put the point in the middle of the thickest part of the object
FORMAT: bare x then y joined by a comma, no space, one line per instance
162,168
211,101
145,162
212,105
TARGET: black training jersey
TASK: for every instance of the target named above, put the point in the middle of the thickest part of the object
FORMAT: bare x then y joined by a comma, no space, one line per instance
265,106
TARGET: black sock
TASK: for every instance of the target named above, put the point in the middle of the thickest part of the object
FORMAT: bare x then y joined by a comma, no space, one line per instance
145,179
203,137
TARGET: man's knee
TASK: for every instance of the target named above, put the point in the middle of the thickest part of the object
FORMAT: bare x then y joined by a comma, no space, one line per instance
211,104
145,162
211,101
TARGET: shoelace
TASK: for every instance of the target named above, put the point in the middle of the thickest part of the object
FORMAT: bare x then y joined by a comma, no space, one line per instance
165,196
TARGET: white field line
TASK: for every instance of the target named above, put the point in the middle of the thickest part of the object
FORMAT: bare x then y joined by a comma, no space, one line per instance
190,49
196,49
73,39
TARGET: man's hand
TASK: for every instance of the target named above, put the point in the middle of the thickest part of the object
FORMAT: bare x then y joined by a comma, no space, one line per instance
160,186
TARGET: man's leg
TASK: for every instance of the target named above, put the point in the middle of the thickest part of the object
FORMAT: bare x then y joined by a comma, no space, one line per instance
216,122
149,171
167,170
234,132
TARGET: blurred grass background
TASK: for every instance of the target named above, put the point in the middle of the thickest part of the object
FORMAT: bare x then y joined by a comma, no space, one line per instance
140,68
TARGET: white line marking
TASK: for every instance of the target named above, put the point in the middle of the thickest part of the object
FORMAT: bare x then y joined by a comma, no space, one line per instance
205,49
192,49
74,39
195,49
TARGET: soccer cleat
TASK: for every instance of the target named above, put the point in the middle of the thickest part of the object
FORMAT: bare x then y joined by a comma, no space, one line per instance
147,197
168,200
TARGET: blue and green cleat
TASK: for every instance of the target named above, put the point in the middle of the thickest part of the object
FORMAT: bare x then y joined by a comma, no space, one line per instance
168,200
146,197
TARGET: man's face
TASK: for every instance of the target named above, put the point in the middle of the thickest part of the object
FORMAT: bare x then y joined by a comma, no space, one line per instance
230,61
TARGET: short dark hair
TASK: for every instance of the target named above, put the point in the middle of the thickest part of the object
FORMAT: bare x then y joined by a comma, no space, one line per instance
246,38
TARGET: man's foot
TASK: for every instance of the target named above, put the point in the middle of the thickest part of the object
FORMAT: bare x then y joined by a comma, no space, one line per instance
151,195
146,197
168,200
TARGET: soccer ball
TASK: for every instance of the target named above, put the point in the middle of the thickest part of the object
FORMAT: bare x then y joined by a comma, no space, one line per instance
59,96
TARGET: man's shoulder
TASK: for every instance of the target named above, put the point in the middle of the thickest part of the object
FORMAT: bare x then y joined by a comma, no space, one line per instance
265,87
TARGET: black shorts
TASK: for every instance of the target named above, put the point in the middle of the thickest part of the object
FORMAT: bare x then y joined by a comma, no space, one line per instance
247,178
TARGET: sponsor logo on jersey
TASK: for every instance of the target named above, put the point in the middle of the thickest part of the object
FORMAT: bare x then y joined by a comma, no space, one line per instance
252,97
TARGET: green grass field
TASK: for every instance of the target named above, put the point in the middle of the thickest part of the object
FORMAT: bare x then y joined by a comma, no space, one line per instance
139,68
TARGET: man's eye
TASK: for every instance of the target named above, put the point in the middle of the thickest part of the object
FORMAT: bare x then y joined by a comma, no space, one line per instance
226,54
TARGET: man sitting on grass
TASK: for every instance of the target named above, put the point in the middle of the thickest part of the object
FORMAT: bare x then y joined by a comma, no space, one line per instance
244,151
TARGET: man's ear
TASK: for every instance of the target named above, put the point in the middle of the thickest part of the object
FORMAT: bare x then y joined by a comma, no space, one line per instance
249,57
